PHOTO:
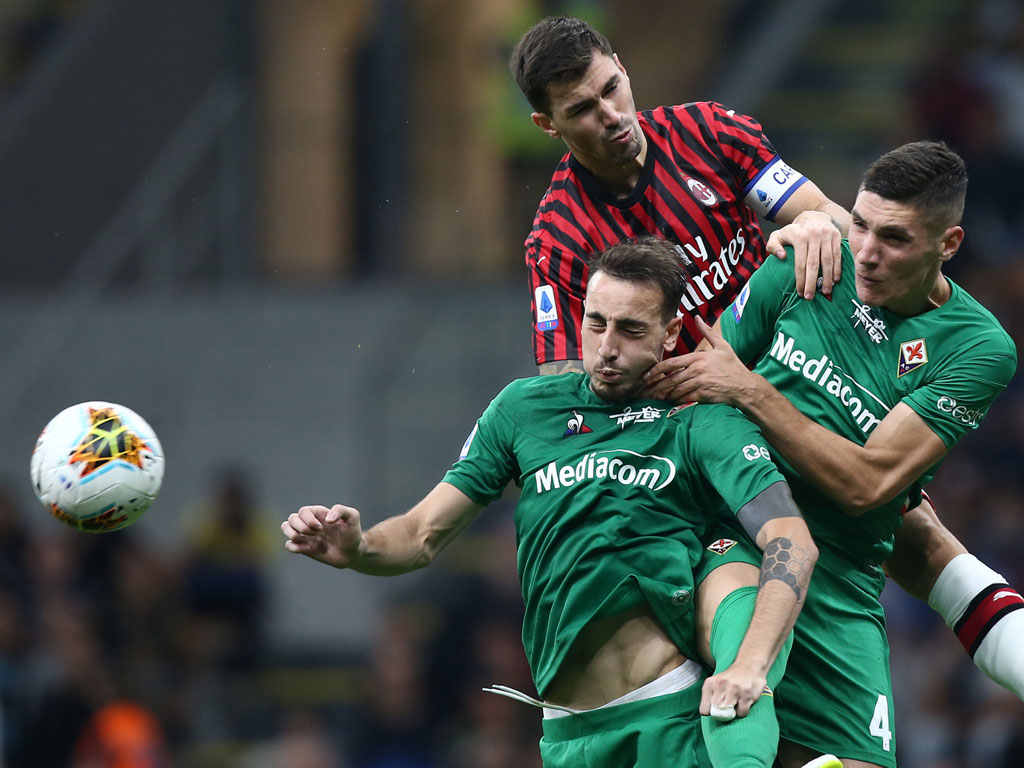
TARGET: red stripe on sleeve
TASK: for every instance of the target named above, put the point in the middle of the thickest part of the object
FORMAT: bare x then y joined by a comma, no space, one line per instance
985,610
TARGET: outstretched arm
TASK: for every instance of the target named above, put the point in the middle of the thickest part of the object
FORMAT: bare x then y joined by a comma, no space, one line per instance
858,477
396,545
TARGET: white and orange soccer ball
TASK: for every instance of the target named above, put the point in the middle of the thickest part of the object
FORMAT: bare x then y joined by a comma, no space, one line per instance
97,466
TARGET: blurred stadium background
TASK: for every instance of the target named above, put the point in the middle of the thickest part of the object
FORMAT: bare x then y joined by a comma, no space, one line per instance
288,233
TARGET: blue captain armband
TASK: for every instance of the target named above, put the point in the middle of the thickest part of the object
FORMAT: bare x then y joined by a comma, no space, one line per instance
772,188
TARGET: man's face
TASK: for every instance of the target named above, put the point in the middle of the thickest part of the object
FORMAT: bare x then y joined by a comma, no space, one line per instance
896,255
623,335
595,115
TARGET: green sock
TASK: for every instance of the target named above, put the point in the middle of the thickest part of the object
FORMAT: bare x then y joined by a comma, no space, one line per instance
751,741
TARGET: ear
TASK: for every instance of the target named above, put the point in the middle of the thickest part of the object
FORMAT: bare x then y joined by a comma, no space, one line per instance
672,333
950,242
543,122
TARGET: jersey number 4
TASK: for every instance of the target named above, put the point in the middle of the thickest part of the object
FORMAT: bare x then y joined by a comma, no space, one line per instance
879,725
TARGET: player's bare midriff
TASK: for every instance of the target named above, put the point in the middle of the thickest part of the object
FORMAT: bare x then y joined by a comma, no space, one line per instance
611,657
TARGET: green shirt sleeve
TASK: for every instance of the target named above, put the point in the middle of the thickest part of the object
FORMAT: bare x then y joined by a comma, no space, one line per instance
748,323
487,463
732,454
956,402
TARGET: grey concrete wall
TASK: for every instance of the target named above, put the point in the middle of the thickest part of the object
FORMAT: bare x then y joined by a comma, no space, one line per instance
362,396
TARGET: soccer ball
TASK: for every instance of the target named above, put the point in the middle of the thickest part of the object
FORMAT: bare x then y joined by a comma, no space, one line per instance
97,466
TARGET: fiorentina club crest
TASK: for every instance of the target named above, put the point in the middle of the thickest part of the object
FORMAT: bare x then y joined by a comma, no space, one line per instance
721,546
913,354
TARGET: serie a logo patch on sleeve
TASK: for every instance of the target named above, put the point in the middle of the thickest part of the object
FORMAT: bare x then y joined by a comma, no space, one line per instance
547,309
740,303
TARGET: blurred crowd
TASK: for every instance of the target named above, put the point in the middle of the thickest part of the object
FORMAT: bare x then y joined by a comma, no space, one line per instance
114,655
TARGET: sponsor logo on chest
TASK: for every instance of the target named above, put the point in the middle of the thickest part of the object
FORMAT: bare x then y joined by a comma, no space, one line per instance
824,374
715,269
617,465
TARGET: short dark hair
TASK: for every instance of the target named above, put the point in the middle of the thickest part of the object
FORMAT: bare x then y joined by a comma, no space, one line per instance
646,260
558,49
926,175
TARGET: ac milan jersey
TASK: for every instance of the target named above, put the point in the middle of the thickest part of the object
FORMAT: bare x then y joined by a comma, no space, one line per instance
845,365
616,501
706,172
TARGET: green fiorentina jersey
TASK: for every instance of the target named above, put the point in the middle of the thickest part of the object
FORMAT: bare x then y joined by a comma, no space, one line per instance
616,500
846,365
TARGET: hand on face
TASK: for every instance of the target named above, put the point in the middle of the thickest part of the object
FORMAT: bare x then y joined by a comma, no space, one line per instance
712,374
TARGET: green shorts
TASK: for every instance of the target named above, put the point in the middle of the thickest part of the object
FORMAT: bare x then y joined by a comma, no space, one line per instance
836,694
651,733
728,544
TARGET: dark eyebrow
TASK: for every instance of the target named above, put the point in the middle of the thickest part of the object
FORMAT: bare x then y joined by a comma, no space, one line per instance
891,230
575,106
895,231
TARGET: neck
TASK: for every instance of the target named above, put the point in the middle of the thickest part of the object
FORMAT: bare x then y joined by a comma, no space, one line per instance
621,178
940,292
937,296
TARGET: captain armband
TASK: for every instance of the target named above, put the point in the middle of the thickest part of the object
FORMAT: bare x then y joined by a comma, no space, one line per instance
772,187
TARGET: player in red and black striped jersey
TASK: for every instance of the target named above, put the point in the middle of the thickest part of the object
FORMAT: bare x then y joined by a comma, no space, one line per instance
698,175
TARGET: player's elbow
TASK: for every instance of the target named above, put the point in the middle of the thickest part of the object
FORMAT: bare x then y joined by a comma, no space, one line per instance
857,505
425,550
803,540
868,496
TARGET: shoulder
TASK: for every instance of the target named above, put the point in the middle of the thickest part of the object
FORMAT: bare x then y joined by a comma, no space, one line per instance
985,329
693,118
713,418
561,201
705,415
534,388
562,181
710,115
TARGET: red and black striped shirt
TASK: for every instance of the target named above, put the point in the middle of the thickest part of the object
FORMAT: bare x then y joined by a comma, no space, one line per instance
702,159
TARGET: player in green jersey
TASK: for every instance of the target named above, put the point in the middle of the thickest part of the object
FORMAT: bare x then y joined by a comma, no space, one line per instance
861,395
617,495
